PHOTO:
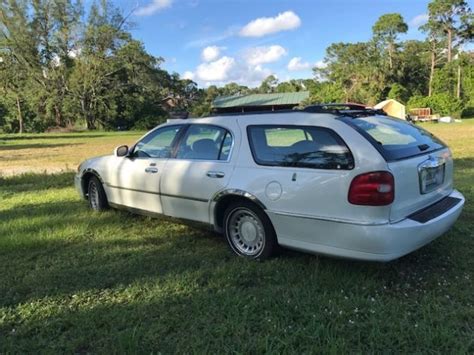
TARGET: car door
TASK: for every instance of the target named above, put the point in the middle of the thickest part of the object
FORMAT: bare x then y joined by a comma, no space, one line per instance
134,181
200,169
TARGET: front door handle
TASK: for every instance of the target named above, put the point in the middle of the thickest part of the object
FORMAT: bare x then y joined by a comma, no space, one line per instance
151,170
215,174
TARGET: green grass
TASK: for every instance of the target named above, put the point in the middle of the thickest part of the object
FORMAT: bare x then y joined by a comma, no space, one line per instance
56,152
76,281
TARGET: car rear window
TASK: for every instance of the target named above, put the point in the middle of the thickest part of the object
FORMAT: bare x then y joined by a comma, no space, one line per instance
395,139
299,146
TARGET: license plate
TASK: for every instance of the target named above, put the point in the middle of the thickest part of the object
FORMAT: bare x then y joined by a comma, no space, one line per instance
431,178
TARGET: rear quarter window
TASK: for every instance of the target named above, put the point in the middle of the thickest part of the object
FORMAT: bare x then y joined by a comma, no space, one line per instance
299,146
395,139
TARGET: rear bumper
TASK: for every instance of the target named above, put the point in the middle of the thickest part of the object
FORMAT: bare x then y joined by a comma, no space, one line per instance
365,242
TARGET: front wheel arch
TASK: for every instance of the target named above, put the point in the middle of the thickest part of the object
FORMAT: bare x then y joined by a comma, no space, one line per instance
86,176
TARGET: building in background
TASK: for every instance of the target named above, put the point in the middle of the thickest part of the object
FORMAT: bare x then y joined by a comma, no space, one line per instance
259,102
392,108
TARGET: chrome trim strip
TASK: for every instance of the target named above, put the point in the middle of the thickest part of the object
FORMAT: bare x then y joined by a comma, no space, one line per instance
158,193
238,192
328,219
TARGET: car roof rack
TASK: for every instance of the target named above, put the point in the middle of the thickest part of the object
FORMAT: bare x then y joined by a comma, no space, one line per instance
248,113
345,109
340,109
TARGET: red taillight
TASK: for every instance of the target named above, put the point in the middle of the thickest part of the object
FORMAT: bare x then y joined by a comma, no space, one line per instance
372,189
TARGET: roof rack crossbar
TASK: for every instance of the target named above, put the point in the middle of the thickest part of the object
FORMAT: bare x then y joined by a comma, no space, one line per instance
339,109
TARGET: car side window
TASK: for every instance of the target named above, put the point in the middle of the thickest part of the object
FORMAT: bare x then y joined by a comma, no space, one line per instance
205,142
157,144
299,146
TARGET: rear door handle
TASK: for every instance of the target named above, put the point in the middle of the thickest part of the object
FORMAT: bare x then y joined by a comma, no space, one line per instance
215,174
151,170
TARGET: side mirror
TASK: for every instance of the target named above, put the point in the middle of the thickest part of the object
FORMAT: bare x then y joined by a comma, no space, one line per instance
121,151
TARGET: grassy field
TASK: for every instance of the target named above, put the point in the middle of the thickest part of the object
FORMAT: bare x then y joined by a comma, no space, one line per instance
57,152
75,281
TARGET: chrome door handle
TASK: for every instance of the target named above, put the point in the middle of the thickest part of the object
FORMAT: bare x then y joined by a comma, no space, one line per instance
151,170
215,174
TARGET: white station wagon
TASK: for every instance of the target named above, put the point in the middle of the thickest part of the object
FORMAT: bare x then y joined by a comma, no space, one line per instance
349,183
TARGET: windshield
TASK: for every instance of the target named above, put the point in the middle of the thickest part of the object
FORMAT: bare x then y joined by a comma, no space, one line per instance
395,139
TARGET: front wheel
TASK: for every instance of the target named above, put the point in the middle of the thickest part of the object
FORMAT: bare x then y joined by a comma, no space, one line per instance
249,231
96,195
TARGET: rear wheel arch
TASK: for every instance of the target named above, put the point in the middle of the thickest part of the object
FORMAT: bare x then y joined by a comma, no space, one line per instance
225,198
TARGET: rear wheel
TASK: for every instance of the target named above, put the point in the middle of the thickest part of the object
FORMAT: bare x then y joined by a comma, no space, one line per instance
249,231
96,195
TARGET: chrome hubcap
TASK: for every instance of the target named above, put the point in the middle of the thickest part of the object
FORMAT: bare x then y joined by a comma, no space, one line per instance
246,232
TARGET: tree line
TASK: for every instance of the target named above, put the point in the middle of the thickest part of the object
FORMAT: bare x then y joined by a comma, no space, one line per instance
59,67
434,72
62,66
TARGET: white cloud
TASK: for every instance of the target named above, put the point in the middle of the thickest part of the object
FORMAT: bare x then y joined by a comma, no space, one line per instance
188,75
228,69
297,64
210,53
262,26
419,20
261,55
320,64
153,7
215,71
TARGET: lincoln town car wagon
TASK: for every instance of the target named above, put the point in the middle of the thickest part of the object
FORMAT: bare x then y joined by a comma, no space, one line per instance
346,182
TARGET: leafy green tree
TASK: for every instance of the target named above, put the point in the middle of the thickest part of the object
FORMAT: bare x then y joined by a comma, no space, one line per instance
356,69
268,85
452,18
413,67
326,92
398,92
386,31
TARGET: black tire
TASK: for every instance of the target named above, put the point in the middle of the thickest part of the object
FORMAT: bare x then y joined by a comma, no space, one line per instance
96,195
248,231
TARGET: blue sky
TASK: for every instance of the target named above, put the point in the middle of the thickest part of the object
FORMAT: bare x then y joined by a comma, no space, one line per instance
250,39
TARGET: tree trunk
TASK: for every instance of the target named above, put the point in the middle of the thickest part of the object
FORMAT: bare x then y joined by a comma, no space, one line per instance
59,116
90,122
432,68
458,88
450,44
390,55
87,116
20,115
